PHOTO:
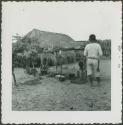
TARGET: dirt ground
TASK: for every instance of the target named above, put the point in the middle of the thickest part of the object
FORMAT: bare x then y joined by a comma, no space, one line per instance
49,94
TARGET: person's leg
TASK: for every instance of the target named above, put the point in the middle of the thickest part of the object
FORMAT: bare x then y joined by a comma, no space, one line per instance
89,72
90,77
97,73
98,80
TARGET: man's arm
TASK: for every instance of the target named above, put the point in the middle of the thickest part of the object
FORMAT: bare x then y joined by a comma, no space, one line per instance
100,54
85,51
100,51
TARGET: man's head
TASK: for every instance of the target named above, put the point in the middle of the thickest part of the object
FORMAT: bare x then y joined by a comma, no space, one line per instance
92,38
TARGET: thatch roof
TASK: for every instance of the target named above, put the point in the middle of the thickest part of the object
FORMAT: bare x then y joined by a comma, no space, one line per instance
50,39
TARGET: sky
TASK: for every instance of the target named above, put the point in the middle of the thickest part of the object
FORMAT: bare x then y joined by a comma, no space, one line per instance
76,19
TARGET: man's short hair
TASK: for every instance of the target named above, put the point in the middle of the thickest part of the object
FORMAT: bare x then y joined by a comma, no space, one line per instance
92,37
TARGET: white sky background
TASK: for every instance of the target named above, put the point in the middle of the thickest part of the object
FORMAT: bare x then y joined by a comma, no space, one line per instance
76,19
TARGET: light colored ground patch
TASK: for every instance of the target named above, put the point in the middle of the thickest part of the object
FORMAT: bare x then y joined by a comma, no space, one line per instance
51,95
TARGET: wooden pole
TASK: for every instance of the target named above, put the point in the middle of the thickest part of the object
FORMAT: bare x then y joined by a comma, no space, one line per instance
61,64
56,61
60,57
13,74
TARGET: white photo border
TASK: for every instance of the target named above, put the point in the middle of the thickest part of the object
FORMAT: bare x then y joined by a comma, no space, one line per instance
25,117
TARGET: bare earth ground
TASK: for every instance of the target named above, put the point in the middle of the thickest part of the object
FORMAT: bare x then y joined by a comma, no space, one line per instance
49,94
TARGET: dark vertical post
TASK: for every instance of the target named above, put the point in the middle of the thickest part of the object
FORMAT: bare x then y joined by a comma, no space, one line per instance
60,61
56,60
13,74
61,66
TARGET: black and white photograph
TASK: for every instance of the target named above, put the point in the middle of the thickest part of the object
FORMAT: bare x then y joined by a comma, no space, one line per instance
61,62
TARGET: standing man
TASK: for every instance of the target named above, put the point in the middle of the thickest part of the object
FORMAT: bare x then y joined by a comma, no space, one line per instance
93,52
